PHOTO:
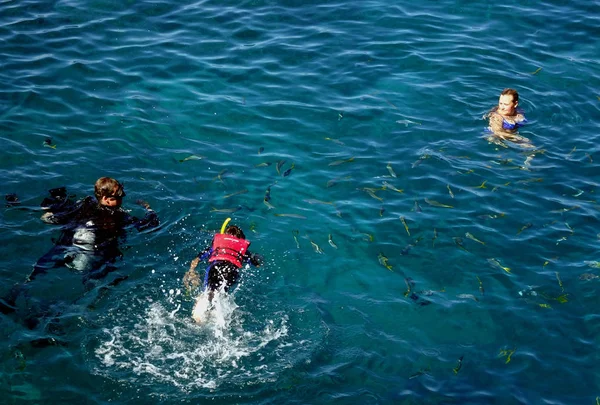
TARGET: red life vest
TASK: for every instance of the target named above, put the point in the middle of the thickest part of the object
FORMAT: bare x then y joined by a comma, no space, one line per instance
229,248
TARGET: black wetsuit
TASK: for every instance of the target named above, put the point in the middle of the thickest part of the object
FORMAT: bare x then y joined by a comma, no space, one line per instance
90,239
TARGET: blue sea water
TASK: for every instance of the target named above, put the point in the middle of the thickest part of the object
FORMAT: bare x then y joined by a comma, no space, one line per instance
190,102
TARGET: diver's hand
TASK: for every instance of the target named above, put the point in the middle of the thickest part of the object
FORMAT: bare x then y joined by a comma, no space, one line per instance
143,204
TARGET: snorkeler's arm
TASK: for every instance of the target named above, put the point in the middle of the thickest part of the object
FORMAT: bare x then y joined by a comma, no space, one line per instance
191,279
254,259
205,253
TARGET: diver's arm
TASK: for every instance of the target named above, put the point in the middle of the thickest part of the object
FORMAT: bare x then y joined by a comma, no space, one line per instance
64,211
150,220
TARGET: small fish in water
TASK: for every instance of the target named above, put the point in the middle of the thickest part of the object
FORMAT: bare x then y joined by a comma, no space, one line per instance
420,160
339,162
225,210
470,236
220,175
333,182
381,211
372,193
387,185
437,204
313,201
481,290
263,164
384,261
482,185
367,237
295,233
409,285
435,235
191,157
495,263
407,122
417,207
418,373
526,226
291,216
331,242
403,220
506,353
236,193
48,143
450,190
268,204
564,238
335,141
406,249
268,194
593,264
288,171
459,365
571,229
390,170
560,284
316,247
253,226
340,116
588,276
261,150
538,70
279,165
467,296
458,241
545,306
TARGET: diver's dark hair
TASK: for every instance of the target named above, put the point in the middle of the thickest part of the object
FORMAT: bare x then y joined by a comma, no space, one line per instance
108,187
235,231
511,92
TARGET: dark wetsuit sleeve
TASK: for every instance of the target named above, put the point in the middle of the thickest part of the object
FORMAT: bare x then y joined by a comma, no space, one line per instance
63,212
150,220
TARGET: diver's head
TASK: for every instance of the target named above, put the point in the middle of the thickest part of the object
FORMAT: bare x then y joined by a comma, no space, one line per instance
235,231
109,192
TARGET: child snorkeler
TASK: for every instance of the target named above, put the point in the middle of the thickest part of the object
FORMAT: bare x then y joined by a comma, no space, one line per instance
226,255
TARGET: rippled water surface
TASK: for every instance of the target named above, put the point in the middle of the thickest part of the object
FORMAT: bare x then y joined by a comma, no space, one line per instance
356,116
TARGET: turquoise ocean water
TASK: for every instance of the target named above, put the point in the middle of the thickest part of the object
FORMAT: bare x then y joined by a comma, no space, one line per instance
188,103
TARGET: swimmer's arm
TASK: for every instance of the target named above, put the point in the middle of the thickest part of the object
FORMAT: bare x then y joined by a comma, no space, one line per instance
495,124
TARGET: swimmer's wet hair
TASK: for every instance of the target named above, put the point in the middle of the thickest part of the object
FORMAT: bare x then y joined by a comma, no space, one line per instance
235,231
108,187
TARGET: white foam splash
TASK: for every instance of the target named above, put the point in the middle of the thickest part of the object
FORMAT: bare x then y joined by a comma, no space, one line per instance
164,345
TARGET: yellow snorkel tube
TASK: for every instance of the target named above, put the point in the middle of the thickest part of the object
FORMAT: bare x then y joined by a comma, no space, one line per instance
225,225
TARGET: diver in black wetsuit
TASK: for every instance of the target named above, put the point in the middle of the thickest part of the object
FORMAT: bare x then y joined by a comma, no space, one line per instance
92,231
